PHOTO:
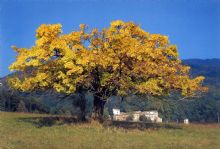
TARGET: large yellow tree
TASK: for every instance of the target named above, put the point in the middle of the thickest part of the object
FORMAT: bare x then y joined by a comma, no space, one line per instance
120,60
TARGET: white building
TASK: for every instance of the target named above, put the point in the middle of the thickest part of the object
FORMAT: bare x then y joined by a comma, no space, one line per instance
186,121
151,115
116,111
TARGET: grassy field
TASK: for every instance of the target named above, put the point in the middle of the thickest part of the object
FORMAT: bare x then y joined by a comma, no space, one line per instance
25,131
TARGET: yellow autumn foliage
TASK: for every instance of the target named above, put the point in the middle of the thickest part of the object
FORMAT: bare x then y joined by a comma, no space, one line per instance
122,59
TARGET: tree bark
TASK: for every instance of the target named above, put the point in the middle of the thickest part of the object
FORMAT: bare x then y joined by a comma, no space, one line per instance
98,109
82,104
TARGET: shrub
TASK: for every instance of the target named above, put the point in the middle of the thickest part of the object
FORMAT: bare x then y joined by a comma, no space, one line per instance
106,114
143,118
130,118
21,107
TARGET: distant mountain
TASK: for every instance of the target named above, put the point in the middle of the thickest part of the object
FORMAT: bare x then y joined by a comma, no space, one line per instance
203,62
210,68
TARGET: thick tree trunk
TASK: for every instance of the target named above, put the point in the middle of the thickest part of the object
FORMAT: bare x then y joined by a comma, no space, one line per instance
82,104
98,109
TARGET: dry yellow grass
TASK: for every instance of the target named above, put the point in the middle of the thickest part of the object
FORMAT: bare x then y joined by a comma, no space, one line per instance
19,131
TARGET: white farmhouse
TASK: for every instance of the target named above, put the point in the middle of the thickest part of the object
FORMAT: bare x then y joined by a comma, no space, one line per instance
116,111
151,115
186,121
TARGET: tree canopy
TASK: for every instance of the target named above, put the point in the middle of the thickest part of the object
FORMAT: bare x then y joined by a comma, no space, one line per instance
120,60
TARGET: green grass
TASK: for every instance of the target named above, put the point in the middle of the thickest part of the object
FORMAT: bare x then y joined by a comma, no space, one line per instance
20,131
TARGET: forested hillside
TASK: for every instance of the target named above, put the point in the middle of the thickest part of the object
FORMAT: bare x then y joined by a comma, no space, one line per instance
173,108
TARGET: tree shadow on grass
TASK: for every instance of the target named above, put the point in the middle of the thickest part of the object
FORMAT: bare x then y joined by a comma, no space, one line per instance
51,120
65,120
141,125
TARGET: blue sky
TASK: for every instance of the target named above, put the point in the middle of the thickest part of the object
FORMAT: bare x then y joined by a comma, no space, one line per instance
193,25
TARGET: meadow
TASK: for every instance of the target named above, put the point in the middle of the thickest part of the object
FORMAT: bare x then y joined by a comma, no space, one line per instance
26,131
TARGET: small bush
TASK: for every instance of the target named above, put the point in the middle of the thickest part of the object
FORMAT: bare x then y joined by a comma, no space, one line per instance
130,118
106,114
143,118
21,107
